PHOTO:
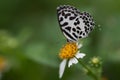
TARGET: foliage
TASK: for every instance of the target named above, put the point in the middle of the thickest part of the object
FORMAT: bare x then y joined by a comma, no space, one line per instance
30,38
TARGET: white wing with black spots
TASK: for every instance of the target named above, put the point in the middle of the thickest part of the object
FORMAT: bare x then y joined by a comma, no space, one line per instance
73,23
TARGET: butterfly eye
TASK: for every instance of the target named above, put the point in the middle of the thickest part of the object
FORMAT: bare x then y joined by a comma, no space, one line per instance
73,23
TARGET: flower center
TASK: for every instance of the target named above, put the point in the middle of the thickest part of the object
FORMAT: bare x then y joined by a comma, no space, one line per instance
68,51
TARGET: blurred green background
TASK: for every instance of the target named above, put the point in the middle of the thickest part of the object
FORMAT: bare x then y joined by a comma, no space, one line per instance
30,39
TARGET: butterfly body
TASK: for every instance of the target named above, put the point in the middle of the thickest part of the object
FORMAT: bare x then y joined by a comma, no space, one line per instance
73,23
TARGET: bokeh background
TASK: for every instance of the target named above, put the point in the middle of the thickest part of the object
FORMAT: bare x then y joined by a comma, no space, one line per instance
30,39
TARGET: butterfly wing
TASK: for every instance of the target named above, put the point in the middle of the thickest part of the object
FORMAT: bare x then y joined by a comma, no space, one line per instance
87,24
73,23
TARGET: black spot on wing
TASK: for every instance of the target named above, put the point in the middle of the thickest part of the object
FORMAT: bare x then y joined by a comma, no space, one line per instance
63,14
86,29
64,24
78,28
68,28
68,14
78,22
88,25
77,19
75,35
80,36
61,19
78,31
72,18
67,34
75,23
81,32
74,30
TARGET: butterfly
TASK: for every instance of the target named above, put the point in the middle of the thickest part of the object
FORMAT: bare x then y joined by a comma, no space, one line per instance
73,23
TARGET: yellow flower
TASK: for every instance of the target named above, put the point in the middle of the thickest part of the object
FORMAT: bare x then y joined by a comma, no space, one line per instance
70,52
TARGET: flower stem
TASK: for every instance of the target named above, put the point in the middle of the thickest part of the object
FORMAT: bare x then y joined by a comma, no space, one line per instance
92,74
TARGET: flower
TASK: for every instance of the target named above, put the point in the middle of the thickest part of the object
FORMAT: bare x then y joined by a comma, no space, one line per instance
96,62
69,53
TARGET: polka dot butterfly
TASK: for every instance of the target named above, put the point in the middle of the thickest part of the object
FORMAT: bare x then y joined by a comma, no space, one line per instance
73,23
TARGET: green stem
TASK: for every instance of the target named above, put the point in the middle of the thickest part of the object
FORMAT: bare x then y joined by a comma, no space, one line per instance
89,70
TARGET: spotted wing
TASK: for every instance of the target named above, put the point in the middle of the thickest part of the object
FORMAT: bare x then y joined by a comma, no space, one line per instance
73,23
87,24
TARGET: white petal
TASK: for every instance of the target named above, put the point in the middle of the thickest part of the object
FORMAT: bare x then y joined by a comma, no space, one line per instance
79,46
69,63
79,55
62,68
72,61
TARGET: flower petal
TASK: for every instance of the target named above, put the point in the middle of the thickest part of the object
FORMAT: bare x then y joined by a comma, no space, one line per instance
62,68
69,63
72,61
79,46
79,55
